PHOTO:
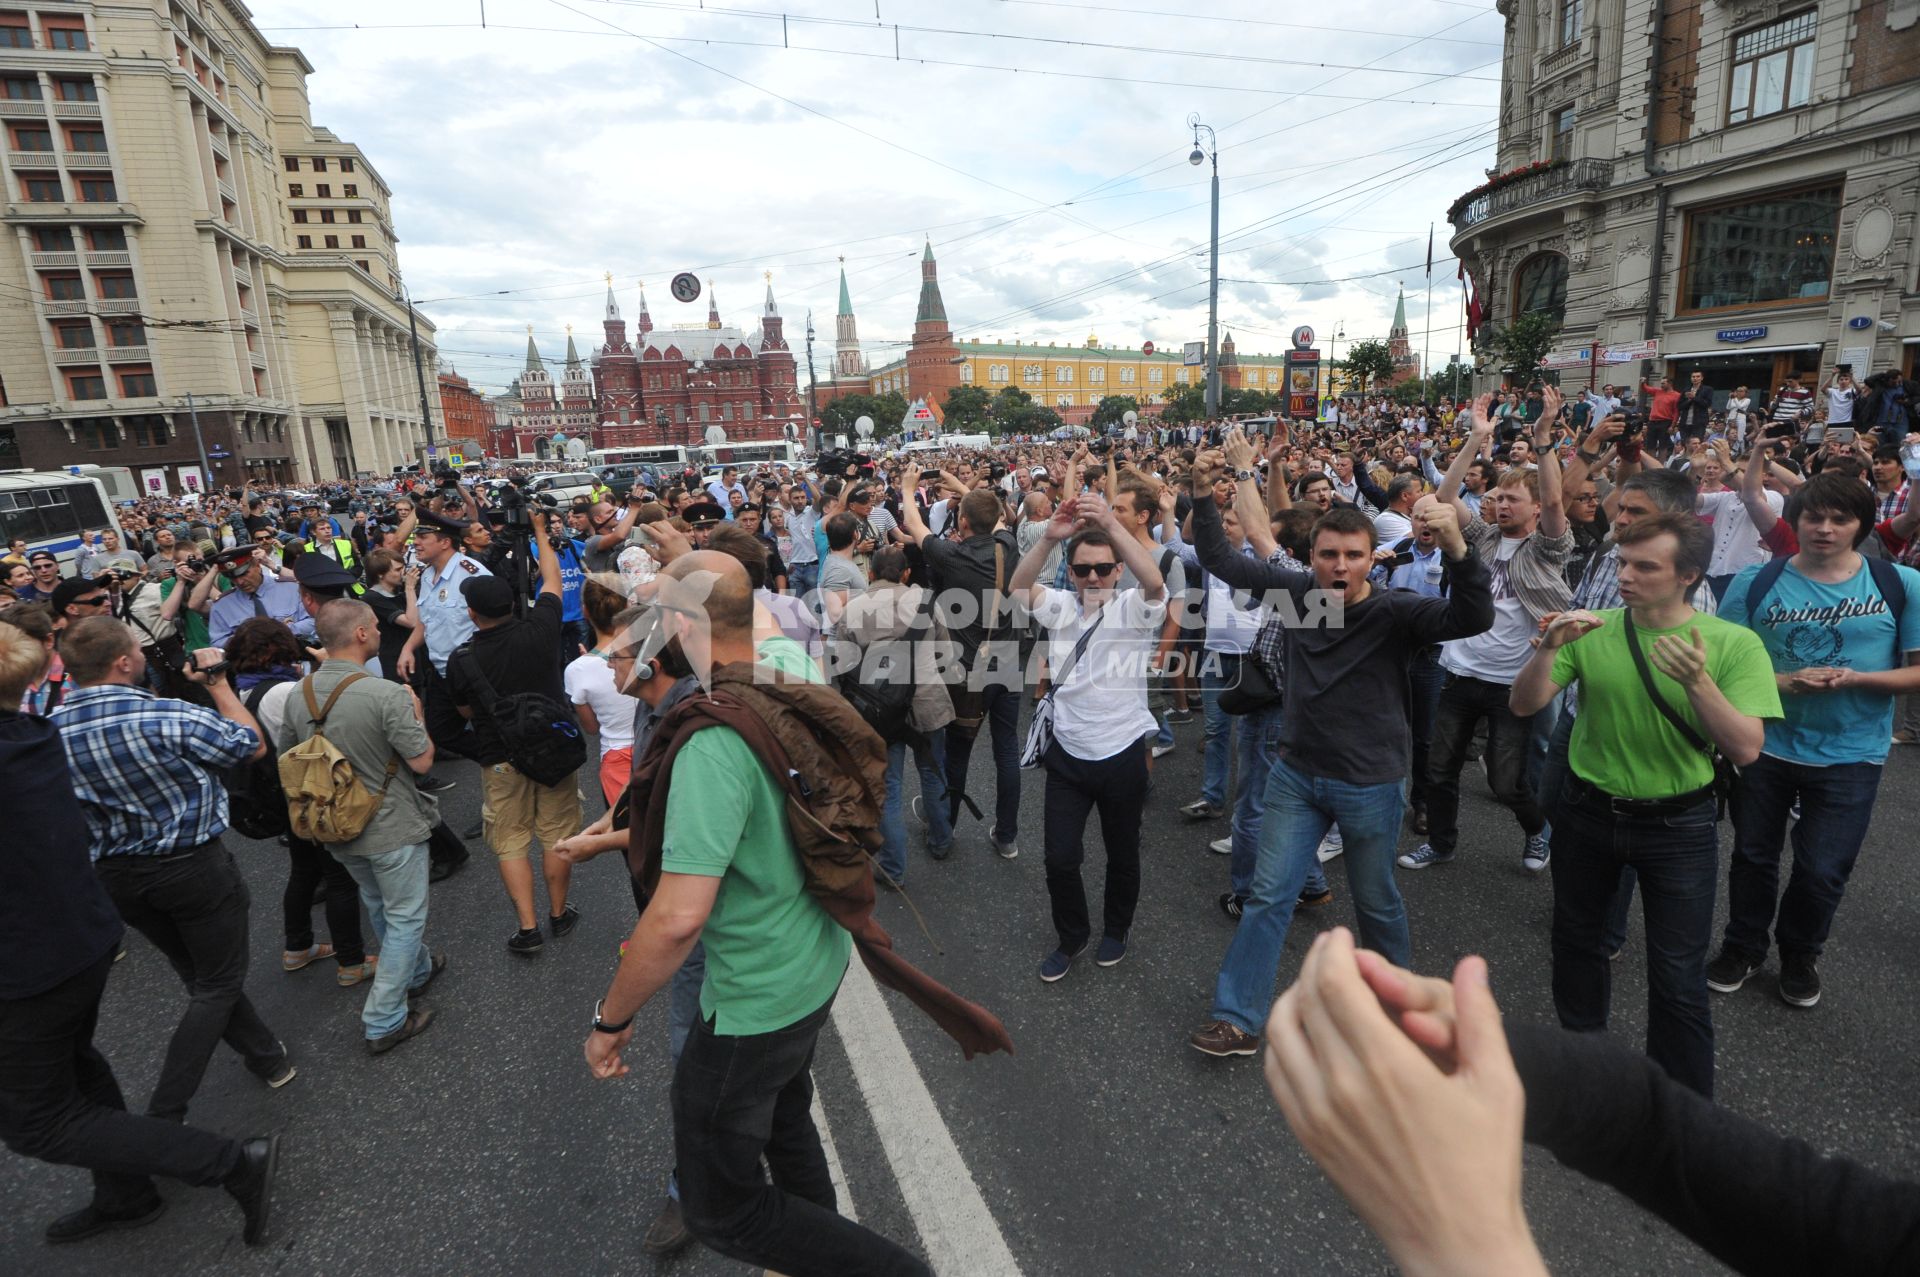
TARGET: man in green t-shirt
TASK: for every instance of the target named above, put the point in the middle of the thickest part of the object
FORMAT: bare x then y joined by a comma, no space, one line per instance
1642,790
731,881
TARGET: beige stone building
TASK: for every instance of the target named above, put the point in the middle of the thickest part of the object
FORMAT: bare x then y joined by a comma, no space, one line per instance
154,272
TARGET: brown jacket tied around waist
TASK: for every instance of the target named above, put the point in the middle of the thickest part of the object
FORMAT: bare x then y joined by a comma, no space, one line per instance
832,767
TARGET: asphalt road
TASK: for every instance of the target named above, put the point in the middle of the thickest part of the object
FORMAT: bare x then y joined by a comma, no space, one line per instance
1105,1146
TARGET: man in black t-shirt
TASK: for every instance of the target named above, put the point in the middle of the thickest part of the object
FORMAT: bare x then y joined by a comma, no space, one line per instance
507,656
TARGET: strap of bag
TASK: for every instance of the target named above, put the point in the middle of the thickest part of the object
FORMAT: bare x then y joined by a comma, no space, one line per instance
320,712
1667,711
481,684
1073,657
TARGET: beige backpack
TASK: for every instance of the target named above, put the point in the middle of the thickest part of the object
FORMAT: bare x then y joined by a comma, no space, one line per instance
326,803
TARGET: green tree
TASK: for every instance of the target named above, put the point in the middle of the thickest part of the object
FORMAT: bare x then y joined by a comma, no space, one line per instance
1184,404
1010,407
1112,411
886,410
968,410
1368,364
1523,343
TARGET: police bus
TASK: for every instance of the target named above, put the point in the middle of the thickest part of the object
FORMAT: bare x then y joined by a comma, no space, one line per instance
53,511
662,457
782,452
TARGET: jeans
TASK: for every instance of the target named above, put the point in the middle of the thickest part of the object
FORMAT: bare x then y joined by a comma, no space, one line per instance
312,869
59,1102
193,907
1259,747
801,578
1299,810
1221,669
393,886
932,765
1677,859
1555,772
1003,718
737,1099
1836,805
1425,677
1075,787
1464,702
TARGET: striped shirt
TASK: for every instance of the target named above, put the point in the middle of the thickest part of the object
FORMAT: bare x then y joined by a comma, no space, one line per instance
144,768
1536,570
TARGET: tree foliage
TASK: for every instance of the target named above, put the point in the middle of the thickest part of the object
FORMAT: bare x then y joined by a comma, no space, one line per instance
1112,411
968,410
887,411
1368,364
1522,344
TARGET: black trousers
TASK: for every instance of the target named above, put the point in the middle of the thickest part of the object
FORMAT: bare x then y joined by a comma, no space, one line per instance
1075,787
313,871
1464,702
445,727
59,1102
193,907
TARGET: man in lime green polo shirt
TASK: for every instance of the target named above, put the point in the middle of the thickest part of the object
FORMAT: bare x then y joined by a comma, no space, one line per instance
1642,789
731,881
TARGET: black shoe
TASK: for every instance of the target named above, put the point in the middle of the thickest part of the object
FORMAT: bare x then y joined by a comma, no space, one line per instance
668,1231
1232,905
474,834
87,1221
1419,820
434,969
565,921
441,870
525,943
1314,899
1799,980
432,784
419,1016
251,1184
1726,973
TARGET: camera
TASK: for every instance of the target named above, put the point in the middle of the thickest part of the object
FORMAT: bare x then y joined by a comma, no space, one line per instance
195,564
1635,423
1100,447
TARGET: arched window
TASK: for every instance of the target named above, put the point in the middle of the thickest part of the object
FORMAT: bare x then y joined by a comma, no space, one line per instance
1541,285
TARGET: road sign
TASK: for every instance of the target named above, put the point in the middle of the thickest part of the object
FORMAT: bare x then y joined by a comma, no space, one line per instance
1632,353
685,286
218,453
1196,354
1147,349
455,459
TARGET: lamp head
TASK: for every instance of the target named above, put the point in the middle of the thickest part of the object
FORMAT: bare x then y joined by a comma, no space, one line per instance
1198,157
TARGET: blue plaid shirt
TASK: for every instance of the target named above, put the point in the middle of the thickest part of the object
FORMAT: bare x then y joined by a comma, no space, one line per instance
143,768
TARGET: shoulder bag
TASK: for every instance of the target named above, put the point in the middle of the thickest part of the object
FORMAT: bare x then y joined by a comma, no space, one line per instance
1725,774
1040,730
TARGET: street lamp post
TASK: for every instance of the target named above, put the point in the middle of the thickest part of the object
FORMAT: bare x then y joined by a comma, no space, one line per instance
811,410
1213,262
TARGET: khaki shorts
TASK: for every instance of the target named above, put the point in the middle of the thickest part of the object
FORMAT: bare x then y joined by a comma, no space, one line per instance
514,811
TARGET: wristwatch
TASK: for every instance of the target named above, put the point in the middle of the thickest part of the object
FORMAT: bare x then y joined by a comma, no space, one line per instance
1588,457
601,1026
1243,475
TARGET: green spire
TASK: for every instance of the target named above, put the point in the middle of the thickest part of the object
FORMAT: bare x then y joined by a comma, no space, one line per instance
932,309
1400,312
846,302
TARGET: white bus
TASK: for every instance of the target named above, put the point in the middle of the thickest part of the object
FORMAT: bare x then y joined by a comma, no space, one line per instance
51,511
764,453
117,480
660,457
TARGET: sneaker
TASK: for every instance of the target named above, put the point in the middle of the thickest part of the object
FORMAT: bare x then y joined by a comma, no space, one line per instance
1537,853
1114,948
1176,717
525,943
1232,904
941,852
284,1072
1726,973
1222,1039
1422,856
1008,850
668,1232
1221,846
1311,899
1331,845
251,1185
358,973
563,922
1905,737
1058,963
1160,750
1201,809
297,959
419,1016
88,1221
120,953
1799,980
431,784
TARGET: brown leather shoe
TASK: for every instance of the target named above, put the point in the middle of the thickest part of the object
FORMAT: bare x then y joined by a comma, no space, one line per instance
668,1232
1223,1039
415,1024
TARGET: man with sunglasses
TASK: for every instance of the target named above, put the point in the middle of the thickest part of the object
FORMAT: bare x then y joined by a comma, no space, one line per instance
46,576
256,592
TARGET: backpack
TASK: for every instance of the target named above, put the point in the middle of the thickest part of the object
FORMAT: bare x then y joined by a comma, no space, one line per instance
326,803
256,800
877,689
542,737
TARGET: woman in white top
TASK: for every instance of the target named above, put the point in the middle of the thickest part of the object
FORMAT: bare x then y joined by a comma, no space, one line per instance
589,683
1739,404
1100,718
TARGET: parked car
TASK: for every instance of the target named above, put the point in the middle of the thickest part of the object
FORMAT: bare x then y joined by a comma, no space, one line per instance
565,486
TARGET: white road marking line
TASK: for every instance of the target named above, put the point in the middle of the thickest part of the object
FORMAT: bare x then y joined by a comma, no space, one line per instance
959,1232
842,1193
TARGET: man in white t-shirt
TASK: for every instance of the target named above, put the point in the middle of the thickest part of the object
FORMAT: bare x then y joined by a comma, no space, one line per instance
1841,394
1736,541
1395,523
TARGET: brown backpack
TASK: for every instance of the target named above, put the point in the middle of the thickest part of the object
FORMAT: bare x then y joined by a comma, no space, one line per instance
326,803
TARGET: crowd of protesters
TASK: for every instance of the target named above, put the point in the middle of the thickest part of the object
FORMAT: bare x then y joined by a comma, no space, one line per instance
1640,612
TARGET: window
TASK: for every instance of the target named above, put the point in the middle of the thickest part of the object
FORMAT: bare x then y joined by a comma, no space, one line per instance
1273,378
52,239
21,88
326,215
42,188
304,241
299,217
323,191
1569,21
107,239
98,190
72,39
296,191
126,332
362,264
89,385
291,163
90,141
966,374
1063,374
1032,374
28,137
1096,376
14,32
333,241
353,215
1772,68
346,164
351,191
1127,376
1561,145
1155,376
1184,375
319,163
1541,285
65,288
118,286
359,241
1772,249
73,334
137,383
71,90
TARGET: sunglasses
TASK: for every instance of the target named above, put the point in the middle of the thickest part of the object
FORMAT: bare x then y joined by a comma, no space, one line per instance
1085,570
98,600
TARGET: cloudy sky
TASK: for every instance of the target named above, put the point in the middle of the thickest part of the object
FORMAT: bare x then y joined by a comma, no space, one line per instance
1041,144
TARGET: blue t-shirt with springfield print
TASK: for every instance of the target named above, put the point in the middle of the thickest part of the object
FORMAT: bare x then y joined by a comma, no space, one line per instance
1846,625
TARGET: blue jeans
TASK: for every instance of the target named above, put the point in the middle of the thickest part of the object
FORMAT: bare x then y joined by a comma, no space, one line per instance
1163,734
1300,810
393,886
1836,805
801,578
1425,677
1220,669
932,765
1003,718
1259,746
1677,858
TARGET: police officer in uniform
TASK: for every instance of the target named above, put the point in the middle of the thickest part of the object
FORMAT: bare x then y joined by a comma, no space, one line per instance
444,625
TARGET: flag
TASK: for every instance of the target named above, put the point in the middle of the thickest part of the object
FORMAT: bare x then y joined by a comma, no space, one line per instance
1429,250
1470,297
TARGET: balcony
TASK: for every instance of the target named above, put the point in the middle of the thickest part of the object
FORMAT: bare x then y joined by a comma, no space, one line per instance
248,318
36,213
1541,187
30,160
54,261
258,358
128,355
117,306
70,358
77,110
243,277
65,307
86,159
109,259
27,110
